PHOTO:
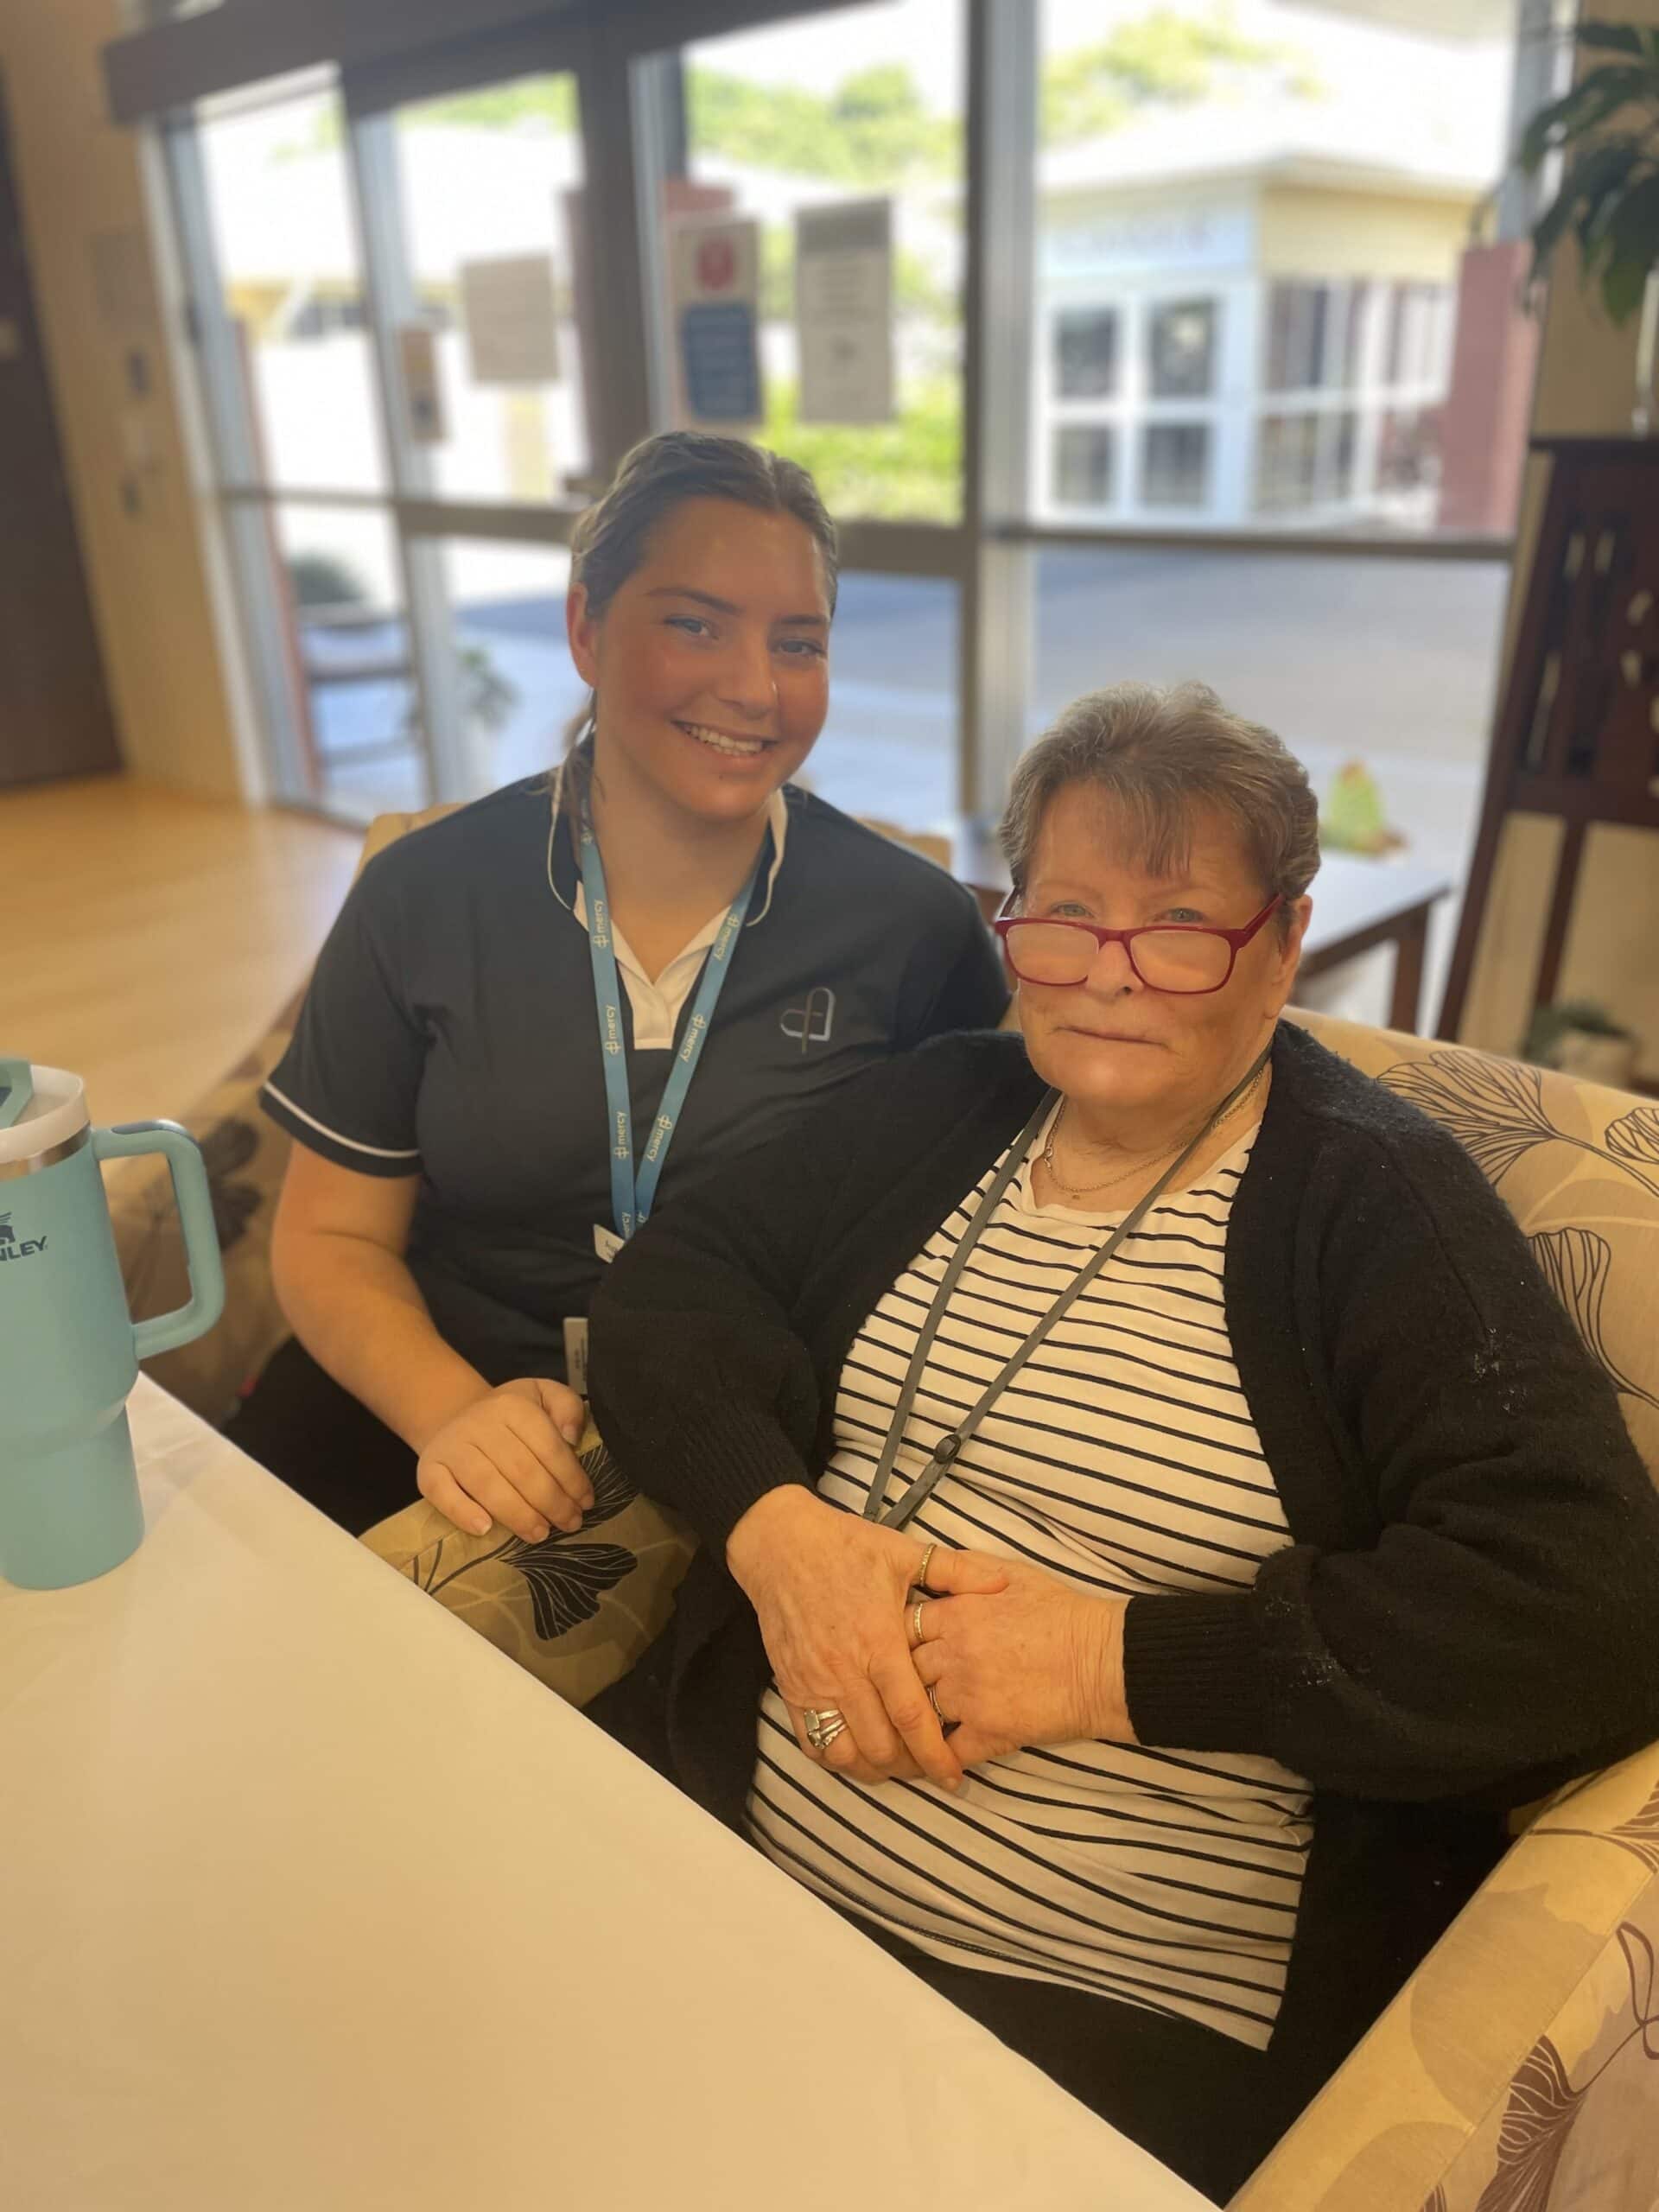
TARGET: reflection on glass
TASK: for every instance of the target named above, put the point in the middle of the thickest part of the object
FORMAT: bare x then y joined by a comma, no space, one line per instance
862,102
517,686
489,183
1175,464
1242,208
279,202
354,698
1086,353
1182,348
1084,454
889,747
1309,645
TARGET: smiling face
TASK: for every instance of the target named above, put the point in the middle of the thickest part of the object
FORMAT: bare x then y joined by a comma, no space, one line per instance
1111,1044
711,661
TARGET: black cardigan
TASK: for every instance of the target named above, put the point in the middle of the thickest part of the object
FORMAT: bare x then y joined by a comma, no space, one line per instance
1464,1614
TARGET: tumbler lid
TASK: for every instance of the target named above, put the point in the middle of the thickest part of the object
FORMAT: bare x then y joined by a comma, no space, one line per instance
53,1109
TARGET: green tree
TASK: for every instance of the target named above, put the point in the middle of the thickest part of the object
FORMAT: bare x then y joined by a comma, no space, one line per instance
908,469
548,100
1165,58
873,129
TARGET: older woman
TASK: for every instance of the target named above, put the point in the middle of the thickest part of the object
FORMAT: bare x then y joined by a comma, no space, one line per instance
1156,1517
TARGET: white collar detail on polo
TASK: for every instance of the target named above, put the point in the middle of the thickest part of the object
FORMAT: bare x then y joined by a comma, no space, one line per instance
655,1004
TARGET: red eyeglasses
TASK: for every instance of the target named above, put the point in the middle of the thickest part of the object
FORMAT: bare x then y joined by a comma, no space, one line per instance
1185,957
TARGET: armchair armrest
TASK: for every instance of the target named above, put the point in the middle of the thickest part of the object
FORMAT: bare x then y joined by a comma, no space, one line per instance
245,1155
1520,2064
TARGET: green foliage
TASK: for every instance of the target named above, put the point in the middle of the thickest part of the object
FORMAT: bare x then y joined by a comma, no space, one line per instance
551,101
1550,1024
872,130
1165,58
488,698
324,580
1607,125
908,469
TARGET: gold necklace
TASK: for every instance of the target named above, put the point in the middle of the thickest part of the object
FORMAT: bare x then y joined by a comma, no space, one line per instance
1125,1174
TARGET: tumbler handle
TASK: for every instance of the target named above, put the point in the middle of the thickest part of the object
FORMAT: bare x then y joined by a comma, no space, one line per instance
166,1331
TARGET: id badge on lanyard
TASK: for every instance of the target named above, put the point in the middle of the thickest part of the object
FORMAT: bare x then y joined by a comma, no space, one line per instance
633,1191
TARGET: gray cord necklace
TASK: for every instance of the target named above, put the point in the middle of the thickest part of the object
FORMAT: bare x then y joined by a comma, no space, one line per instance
951,1443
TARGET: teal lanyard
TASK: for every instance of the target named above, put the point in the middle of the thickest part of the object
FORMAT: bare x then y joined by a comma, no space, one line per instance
949,1446
631,1194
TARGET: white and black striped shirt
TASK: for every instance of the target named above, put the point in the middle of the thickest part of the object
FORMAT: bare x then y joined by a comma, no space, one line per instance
1124,1458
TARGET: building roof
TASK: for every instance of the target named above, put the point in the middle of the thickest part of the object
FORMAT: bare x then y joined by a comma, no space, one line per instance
1335,144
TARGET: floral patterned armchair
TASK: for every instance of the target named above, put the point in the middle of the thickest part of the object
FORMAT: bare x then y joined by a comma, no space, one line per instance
1518,2071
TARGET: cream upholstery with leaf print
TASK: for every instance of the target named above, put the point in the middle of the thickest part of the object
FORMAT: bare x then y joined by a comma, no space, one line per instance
1577,1165
1518,2071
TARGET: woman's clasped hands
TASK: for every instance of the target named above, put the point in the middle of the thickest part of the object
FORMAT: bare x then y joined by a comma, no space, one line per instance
896,1676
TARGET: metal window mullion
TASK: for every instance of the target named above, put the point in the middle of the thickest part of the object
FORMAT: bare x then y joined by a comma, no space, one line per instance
230,432
258,583
994,647
619,212
372,167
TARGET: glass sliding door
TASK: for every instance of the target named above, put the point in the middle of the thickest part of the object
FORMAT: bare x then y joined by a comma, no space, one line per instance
490,212
273,244
390,304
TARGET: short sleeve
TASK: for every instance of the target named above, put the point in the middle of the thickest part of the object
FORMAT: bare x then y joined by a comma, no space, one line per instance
347,1085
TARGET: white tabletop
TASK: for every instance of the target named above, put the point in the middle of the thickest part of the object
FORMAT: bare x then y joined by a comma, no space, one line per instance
310,1900
1352,893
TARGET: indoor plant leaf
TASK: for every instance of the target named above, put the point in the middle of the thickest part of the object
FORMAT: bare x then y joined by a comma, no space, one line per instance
1630,248
1592,100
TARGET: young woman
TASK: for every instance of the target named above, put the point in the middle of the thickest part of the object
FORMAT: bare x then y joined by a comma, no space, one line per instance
543,1016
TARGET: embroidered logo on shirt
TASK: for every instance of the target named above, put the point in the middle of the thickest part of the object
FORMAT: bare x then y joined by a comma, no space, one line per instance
813,1021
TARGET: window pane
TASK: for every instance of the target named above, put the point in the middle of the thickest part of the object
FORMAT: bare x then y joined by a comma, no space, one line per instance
1175,464
1083,465
1286,468
285,237
865,102
515,681
1085,353
491,184
1278,202
356,704
889,747
1308,644
1183,350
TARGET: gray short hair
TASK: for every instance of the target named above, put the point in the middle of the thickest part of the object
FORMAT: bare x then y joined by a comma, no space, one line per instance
1156,753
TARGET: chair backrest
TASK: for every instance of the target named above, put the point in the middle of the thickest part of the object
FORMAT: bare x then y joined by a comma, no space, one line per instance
386,828
1577,1164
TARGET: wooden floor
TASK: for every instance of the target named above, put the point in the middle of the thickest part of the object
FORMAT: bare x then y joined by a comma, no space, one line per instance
147,939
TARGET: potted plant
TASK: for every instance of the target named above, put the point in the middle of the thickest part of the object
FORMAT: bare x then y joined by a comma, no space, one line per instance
1584,1039
1607,127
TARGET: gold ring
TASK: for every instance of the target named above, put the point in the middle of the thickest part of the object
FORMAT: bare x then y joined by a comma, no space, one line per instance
915,1623
927,1557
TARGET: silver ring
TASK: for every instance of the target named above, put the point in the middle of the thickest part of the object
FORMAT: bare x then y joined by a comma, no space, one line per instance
932,1700
822,1725
927,1557
915,1623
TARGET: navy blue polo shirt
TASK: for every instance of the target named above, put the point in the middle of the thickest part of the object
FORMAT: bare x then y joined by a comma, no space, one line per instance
450,1031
